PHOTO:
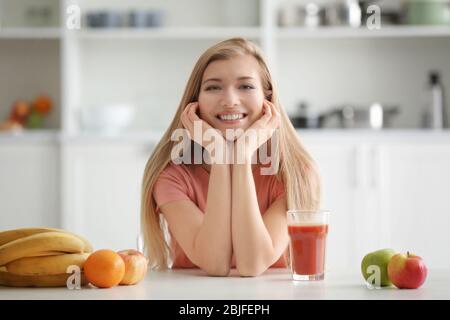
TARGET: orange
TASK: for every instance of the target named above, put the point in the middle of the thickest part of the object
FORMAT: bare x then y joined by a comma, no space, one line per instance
104,268
42,104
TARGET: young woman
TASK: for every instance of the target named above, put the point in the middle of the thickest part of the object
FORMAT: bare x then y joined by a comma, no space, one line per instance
224,214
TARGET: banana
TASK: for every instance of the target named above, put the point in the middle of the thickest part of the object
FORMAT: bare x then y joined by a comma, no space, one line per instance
57,280
50,265
46,253
37,243
14,234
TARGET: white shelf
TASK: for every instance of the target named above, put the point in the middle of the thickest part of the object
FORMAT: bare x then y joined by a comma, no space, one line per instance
348,32
168,33
310,135
54,135
145,137
29,136
30,33
224,32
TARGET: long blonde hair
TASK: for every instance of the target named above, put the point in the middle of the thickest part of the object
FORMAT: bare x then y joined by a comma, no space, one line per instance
296,167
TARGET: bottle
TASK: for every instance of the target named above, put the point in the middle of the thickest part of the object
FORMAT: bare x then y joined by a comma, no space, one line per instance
354,13
434,115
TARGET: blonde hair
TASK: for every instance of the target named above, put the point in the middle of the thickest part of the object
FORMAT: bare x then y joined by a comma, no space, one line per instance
297,169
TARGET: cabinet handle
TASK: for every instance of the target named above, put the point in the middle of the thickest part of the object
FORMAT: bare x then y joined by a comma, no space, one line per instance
376,167
355,167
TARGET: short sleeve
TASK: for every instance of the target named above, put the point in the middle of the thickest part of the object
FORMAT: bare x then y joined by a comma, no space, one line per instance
170,186
277,189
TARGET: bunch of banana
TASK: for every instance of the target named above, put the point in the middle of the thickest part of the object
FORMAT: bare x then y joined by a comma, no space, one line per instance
39,257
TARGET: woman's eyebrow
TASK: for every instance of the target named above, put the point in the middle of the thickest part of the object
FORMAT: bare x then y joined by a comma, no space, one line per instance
219,80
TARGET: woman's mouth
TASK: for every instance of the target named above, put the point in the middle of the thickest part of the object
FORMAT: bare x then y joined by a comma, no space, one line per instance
234,118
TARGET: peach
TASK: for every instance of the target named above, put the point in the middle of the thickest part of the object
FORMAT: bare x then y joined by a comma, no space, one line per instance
135,266
20,111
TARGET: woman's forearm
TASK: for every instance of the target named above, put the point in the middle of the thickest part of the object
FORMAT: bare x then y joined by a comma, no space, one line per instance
252,244
212,244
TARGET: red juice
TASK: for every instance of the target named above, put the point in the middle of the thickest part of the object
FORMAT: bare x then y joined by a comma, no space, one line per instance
307,248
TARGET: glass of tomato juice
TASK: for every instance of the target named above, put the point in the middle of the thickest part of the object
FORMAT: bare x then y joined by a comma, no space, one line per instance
307,243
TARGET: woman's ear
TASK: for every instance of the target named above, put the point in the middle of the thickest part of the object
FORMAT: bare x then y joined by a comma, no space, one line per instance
269,96
198,112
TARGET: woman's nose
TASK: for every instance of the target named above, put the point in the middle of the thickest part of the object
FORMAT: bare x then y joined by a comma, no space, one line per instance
230,98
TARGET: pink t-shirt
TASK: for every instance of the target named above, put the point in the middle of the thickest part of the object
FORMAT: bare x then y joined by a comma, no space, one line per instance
190,182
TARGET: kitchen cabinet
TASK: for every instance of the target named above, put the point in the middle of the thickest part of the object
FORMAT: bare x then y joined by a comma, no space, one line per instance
348,191
415,186
339,195
385,194
29,185
384,189
102,192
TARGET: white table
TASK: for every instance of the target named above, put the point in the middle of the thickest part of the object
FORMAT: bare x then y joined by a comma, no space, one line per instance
275,284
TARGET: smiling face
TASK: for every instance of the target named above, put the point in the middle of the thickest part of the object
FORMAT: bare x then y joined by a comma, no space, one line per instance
231,94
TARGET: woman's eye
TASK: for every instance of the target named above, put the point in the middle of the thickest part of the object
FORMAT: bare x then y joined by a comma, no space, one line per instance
245,87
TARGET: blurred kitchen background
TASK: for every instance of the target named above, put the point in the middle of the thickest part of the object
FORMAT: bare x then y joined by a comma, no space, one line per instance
82,108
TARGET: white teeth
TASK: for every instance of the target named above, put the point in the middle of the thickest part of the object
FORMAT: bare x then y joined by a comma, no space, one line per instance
231,116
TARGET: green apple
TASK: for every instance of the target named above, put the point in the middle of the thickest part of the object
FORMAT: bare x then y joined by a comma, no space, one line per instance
34,120
374,264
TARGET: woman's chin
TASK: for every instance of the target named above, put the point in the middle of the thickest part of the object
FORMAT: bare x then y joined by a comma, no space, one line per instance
230,139
233,133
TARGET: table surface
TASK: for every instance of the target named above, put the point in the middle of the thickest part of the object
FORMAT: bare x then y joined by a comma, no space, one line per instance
274,284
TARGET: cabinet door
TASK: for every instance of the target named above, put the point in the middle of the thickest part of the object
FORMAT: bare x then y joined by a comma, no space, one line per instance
417,192
340,193
29,186
102,186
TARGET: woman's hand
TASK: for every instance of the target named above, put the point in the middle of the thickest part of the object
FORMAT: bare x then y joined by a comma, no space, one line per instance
203,134
258,133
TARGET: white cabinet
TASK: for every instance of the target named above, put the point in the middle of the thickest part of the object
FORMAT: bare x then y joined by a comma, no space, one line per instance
417,192
382,191
102,192
29,185
339,195
350,193
385,194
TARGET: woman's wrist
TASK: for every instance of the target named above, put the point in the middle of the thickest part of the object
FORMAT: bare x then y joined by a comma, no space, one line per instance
217,152
218,166
242,154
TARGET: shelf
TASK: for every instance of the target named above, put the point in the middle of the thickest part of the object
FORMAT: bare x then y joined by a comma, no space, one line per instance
54,136
348,32
30,33
227,32
405,135
169,33
385,136
41,135
146,137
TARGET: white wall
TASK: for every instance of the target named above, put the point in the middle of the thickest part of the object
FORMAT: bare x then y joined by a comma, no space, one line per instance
335,71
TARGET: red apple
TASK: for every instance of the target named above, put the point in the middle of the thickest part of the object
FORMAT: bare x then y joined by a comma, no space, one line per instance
135,266
407,271
20,111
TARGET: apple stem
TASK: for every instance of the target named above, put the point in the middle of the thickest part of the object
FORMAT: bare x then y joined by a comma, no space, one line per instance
407,254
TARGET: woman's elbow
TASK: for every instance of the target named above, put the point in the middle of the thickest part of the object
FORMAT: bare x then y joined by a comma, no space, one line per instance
217,270
251,270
